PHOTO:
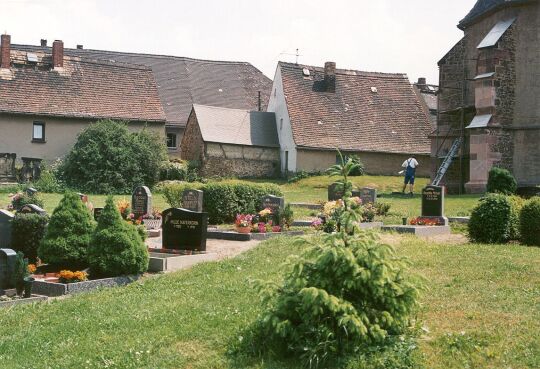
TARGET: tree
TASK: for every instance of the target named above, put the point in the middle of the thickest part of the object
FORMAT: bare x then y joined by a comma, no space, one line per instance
116,247
68,234
108,158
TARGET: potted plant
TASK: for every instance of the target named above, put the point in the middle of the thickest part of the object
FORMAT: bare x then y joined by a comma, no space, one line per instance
153,220
20,272
243,223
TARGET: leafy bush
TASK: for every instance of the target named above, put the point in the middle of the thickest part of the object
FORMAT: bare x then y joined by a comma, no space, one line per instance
19,200
382,208
20,270
48,182
223,200
501,181
358,170
116,247
516,204
530,222
180,171
68,235
108,158
493,220
27,231
346,290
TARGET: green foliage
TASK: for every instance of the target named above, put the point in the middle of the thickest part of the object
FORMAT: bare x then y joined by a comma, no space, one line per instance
298,176
501,181
358,170
516,204
382,208
530,222
286,216
20,269
179,171
223,200
108,158
68,235
48,182
347,290
494,219
117,247
21,199
27,231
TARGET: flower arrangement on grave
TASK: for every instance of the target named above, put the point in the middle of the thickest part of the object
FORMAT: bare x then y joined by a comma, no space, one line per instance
67,276
152,220
124,207
423,221
368,213
20,199
317,224
155,214
243,223
265,214
32,268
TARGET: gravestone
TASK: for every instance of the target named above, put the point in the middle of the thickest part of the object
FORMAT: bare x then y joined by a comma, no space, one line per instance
5,228
7,167
274,203
184,229
433,203
31,191
193,200
32,209
97,213
7,267
368,195
141,201
335,191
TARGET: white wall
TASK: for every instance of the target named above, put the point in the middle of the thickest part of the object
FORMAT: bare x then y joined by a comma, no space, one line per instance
278,105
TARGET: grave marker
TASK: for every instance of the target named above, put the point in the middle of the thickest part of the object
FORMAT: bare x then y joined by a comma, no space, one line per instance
335,191
31,191
184,229
274,203
141,201
32,209
7,267
433,203
368,195
193,200
97,213
5,228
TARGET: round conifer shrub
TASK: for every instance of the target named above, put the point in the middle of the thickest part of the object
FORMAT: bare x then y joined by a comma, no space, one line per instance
108,158
530,222
68,234
501,181
27,231
117,247
490,220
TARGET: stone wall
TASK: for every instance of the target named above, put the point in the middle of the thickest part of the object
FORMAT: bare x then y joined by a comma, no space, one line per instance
240,161
192,146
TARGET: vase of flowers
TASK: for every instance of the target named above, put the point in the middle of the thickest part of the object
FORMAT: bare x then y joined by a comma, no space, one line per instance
243,223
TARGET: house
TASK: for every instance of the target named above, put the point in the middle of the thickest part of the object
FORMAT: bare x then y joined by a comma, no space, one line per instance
234,142
182,82
375,115
428,94
489,98
47,98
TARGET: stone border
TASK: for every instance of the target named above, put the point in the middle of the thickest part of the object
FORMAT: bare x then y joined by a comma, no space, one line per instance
461,220
53,289
371,225
165,262
302,223
424,231
235,236
266,236
306,205
33,298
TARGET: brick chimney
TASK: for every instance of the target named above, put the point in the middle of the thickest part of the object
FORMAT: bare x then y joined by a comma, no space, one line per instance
5,48
43,42
421,81
58,54
79,47
330,76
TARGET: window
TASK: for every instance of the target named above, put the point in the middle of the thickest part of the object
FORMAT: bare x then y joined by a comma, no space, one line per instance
171,140
38,132
281,124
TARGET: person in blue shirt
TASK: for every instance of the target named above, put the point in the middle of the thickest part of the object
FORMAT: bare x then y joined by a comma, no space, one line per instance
410,171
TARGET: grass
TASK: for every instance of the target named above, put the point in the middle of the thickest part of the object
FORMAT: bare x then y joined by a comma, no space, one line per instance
314,190
481,309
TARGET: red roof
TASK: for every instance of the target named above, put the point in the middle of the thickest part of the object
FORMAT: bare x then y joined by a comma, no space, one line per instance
376,112
82,89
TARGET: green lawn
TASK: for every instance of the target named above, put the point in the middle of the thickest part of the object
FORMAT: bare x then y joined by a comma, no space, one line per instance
314,190
481,309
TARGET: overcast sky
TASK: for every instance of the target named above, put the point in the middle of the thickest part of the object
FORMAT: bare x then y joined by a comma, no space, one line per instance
406,36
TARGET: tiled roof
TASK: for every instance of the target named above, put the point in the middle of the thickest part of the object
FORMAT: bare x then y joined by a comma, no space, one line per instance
484,6
183,82
387,118
84,89
237,126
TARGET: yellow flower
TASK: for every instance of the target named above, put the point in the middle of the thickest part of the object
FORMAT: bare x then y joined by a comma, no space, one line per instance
31,268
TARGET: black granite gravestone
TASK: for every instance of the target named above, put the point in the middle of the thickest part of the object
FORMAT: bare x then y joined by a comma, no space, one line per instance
32,209
335,191
5,228
141,201
97,213
193,200
7,267
274,203
368,195
31,191
184,229
433,203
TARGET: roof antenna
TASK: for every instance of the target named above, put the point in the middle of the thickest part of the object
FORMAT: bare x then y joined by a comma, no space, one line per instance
297,55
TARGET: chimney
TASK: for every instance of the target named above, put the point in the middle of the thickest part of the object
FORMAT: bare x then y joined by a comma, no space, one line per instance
330,76
80,47
5,48
43,42
58,54
421,81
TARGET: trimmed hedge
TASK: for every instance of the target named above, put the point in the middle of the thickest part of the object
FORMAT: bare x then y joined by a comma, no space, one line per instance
530,222
27,231
501,181
495,219
223,200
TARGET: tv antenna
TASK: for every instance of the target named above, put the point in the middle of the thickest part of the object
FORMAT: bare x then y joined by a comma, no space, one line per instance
296,55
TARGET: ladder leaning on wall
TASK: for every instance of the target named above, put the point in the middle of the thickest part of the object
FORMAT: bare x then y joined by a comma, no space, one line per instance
447,161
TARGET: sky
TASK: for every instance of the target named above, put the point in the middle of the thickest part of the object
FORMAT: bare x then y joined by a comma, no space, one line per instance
400,36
